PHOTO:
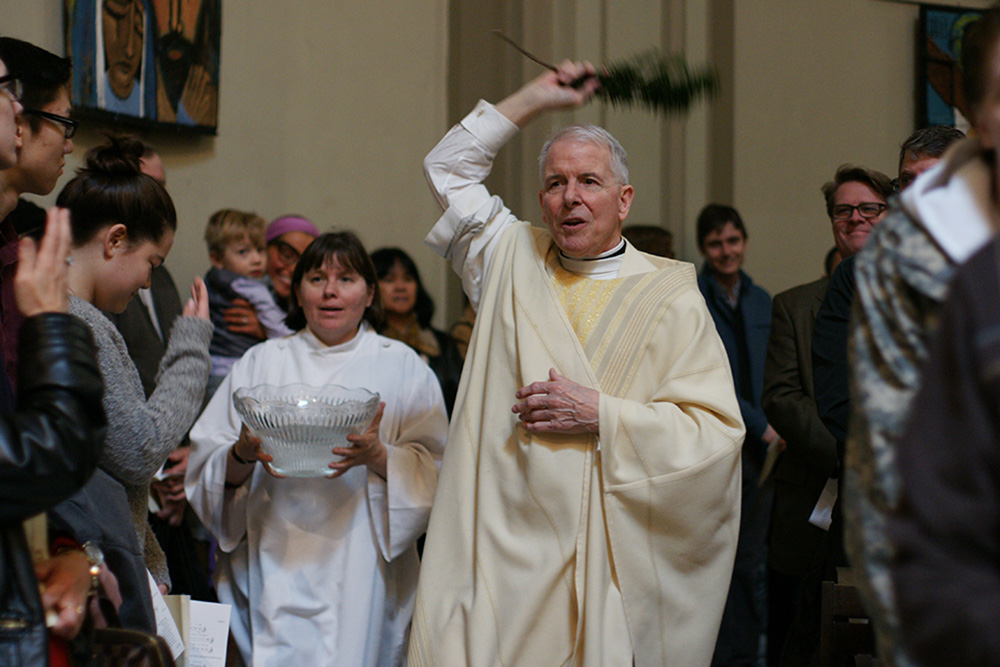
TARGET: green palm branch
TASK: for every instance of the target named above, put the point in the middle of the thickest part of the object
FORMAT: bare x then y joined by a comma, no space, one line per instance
664,84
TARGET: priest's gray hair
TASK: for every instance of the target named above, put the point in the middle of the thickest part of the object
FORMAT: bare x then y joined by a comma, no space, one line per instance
590,134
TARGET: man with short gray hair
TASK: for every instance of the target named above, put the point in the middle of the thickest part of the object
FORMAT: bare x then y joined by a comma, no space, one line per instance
587,510
922,150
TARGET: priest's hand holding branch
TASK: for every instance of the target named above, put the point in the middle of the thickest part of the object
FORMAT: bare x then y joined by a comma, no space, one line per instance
551,90
367,449
558,406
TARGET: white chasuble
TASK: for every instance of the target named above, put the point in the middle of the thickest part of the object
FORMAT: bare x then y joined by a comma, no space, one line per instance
584,550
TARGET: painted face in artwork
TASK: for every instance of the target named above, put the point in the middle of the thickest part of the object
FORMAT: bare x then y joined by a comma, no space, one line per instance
124,24
177,31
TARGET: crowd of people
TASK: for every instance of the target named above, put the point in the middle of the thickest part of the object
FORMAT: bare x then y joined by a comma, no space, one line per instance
612,459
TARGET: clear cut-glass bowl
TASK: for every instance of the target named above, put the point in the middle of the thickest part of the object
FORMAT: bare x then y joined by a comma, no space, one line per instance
298,425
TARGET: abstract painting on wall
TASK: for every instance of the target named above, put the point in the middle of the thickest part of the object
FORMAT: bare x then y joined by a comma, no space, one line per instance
940,86
146,63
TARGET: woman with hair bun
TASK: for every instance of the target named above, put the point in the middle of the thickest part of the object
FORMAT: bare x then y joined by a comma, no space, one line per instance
123,225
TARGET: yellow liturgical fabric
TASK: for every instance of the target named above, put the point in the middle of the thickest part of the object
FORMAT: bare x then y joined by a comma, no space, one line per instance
579,550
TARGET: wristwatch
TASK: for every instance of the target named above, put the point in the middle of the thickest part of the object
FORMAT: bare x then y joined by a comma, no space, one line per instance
96,558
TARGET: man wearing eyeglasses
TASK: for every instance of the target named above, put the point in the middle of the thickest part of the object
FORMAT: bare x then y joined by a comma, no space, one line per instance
802,538
44,130
856,201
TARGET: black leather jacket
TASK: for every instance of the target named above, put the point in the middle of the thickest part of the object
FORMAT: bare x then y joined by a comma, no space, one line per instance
49,446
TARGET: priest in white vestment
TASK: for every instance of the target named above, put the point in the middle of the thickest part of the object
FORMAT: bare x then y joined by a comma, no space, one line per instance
323,571
588,504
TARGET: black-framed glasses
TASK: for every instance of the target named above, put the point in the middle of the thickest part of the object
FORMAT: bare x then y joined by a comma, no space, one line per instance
69,125
868,210
11,85
286,253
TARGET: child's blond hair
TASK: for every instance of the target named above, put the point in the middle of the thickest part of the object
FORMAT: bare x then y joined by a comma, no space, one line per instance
229,225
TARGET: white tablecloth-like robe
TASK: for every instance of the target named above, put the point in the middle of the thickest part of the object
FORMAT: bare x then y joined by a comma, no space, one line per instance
321,571
575,550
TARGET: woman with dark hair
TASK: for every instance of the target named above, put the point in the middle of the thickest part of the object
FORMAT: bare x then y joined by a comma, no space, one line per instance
323,570
408,309
123,225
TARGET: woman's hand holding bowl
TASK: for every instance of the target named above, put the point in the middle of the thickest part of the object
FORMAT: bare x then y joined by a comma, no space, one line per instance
366,449
248,448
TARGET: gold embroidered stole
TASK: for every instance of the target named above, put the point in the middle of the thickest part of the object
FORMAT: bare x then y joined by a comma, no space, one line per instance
614,319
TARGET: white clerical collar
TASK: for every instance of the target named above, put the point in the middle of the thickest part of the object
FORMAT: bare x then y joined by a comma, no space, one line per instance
319,346
603,267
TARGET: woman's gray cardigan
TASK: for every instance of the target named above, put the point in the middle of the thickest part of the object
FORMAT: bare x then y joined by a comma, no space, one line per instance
141,433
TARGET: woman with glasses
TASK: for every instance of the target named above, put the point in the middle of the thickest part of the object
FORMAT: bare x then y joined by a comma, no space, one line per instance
286,238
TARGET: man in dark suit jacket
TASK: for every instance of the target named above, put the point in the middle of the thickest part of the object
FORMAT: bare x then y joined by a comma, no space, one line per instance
802,554
146,344
810,456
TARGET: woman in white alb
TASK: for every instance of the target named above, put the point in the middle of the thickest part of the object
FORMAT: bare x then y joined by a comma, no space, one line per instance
323,571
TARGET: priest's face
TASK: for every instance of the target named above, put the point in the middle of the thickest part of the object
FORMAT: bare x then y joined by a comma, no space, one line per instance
582,201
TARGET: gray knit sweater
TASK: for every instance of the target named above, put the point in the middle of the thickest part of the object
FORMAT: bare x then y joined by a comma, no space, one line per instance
142,433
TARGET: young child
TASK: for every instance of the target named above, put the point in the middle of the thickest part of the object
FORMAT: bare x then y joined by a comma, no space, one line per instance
236,250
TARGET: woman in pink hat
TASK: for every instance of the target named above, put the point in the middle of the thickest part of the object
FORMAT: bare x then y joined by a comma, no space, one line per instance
286,237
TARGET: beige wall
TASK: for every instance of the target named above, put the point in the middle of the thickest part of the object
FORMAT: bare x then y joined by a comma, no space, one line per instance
310,118
326,109
817,84
806,85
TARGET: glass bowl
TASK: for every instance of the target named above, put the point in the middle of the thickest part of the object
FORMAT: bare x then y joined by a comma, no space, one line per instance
298,425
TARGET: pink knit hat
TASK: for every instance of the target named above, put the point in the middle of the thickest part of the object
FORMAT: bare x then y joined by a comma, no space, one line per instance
289,223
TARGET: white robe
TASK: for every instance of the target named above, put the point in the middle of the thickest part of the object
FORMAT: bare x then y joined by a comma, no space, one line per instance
321,571
574,549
